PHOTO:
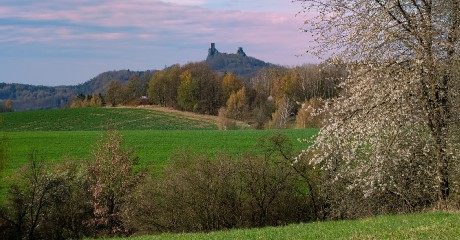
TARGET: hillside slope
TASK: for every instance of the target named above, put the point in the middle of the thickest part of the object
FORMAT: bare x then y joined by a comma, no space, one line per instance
95,119
238,63
30,97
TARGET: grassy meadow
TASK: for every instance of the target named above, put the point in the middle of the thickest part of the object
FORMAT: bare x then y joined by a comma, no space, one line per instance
94,119
417,226
70,134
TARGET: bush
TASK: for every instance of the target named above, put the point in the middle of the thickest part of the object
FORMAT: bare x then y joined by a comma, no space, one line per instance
200,193
223,122
45,204
73,200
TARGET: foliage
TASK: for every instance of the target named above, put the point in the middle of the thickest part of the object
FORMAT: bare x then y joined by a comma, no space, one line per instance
109,195
72,200
6,106
114,96
238,105
29,97
163,87
45,204
112,178
230,84
311,114
188,92
224,122
389,139
198,193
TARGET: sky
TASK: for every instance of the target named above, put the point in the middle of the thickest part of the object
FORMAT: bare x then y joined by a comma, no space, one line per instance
68,42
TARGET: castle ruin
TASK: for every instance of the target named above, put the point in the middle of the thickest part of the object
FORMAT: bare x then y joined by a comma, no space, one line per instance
212,51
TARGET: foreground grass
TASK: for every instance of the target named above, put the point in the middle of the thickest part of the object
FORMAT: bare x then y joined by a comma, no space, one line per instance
417,226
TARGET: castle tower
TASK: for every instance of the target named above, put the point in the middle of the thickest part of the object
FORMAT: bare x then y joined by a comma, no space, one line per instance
241,52
212,50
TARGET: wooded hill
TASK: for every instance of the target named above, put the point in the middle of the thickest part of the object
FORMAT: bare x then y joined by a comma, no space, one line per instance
31,97
238,63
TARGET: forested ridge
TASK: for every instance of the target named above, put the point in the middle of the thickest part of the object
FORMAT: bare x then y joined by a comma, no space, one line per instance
32,97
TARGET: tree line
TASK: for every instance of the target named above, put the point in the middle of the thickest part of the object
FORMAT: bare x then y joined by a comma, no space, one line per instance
271,99
6,106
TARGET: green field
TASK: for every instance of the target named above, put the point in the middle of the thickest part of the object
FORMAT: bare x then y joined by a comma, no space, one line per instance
417,226
94,119
70,134
152,146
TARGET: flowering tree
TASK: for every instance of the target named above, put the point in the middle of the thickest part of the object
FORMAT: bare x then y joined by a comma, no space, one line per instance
113,178
396,109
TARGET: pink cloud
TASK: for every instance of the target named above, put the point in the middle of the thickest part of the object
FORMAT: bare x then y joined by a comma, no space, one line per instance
159,21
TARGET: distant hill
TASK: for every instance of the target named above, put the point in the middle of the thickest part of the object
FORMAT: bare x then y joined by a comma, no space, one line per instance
30,97
100,83
238,63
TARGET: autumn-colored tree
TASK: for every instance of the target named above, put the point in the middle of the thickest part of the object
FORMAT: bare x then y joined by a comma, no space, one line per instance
162,87
188,92
238,105
96,100
76,103
286,86
132,89
113,94
209,94
86,102
311,114
9,105
230,84
223,122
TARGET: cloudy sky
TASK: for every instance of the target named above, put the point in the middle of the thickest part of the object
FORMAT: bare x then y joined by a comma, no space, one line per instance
67,42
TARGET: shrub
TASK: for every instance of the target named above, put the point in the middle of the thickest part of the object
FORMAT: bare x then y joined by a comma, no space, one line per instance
112,177
45,204
202,193
223,122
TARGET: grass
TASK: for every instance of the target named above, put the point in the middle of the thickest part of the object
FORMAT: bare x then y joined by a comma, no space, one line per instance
437,225
95,119
154,147
155,135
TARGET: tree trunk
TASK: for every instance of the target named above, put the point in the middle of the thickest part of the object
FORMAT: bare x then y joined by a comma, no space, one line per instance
436,96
